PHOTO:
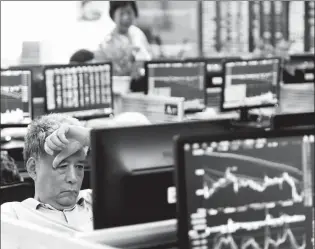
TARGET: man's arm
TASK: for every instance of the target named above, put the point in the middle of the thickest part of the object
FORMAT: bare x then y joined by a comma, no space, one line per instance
58,140
66,140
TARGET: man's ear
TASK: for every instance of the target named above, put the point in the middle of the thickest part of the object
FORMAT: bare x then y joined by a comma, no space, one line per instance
31,168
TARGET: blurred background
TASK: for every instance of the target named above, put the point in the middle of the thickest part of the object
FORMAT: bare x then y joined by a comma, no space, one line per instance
205,67
50,32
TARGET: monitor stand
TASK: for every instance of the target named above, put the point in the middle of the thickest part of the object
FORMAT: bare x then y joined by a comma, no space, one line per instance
248,120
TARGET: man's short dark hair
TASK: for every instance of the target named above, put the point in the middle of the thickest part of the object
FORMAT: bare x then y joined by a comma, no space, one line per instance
82,56
114,5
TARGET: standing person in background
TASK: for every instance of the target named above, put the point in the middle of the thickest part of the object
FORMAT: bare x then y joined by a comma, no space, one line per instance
126,43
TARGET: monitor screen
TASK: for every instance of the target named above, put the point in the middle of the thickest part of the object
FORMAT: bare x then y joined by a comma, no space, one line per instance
246,191
299,69
250,84
83,91
15,104
177,79
37,89
132,172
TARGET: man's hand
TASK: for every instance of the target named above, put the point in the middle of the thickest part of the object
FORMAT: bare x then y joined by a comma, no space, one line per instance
71,148
67,140
57,140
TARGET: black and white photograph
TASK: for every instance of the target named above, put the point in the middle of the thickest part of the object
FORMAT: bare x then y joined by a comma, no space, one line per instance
161,124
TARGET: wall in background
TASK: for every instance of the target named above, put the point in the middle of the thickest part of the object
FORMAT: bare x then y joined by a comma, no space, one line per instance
59,32
54,24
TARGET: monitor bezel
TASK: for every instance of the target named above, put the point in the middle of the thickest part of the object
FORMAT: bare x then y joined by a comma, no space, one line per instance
29,93
147,63
215,60
180,174
224,109
61,66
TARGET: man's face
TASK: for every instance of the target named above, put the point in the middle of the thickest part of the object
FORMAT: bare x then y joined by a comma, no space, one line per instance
124,18
60,186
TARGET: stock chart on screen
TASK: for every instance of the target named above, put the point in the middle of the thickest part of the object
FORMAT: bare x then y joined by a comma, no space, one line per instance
15,107
250,193
177,79
251,83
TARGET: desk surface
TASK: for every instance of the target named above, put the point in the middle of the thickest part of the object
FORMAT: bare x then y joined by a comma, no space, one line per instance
160,234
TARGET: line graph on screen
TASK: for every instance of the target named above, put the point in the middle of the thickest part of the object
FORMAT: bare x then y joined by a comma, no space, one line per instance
285,239
243,182
271,233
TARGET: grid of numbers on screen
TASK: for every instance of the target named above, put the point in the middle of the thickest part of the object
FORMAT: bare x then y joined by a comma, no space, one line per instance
81,87
225,27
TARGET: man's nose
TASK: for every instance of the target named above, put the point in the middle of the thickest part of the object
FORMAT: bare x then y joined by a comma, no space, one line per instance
71,176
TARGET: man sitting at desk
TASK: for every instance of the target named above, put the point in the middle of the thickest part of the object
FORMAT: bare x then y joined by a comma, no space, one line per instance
58,202
55,154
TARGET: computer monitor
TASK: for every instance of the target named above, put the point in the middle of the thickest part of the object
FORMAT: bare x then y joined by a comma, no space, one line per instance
132,172
82,91
299,69
37,89
15,96
250,190
250,84
177,79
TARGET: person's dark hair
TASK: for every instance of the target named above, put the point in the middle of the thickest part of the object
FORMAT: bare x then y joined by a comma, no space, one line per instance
114,5
9,171
82,56
85,2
